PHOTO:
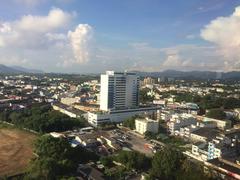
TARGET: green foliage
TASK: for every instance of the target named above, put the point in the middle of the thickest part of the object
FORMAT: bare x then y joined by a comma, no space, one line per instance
166,163
107,126
41,118
231,103
130,123
4,115
209,101
130,160
216,114
171,164
133,160
56,158
144,97
106,161
191,171
117,173
5,126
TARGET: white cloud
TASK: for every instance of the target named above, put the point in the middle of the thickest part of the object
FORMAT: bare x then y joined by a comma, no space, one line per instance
175,61
5,28
39,39
56,36
33,31
225,33
80,40
172,61
56,18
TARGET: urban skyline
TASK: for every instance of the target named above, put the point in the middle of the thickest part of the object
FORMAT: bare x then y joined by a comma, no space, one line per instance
82,37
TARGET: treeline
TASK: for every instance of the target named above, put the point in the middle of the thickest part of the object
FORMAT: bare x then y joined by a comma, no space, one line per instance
209,101
167,163
41,118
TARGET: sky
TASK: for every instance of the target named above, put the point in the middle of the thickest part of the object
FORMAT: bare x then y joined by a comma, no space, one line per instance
92,36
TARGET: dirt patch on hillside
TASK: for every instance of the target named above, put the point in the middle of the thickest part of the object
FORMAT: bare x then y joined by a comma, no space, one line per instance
15,150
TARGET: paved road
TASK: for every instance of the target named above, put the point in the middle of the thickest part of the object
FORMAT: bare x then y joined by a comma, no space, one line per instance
139,144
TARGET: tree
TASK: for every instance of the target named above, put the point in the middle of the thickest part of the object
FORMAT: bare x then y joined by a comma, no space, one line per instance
106,161
144,97
170,164
216,114
41,118
166,163
130,123
133,160
56,158
230,103
190,170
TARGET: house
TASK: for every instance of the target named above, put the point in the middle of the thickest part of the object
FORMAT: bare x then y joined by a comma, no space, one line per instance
204,134
90,173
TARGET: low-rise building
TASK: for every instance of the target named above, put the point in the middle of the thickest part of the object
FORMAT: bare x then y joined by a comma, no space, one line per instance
117,116
204,134
221,124
178,121
212,145
69,100
200,151
70,111
144,125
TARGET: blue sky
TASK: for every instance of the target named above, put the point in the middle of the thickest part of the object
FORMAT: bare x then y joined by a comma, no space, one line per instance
93,36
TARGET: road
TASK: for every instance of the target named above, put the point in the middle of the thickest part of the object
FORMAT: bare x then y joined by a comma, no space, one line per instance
135,142
138,143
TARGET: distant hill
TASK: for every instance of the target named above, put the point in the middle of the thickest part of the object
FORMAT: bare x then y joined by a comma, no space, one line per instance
6,69
27,70
192,74
17,69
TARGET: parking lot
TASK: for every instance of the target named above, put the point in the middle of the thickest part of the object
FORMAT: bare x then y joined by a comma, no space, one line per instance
132,141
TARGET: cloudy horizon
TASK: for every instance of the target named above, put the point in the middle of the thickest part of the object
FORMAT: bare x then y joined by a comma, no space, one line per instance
73,36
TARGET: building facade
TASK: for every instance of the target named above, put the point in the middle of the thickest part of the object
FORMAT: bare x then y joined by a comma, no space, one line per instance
117,116
144,125
119,90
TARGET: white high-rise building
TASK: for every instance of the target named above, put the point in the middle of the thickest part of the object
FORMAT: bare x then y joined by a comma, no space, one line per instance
119,90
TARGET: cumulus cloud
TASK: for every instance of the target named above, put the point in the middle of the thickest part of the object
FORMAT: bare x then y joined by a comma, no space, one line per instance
46,41
225,33
175,61
56,18
80,40
33,31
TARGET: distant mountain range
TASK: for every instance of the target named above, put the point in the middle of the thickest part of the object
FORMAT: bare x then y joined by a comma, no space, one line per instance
188,75
17,70
192,74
